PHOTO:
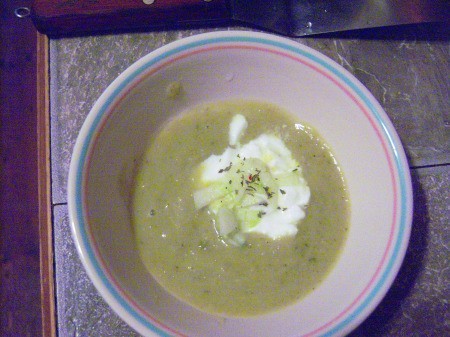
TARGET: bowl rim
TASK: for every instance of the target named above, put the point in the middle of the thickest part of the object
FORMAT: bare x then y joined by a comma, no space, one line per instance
349,318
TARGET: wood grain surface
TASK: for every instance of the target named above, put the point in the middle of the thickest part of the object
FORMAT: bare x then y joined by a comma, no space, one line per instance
24,179
44,190
68,17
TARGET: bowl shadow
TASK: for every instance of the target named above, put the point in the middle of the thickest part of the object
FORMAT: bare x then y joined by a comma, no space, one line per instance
382,319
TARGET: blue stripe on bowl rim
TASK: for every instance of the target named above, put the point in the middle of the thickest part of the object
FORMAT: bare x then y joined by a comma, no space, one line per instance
389,270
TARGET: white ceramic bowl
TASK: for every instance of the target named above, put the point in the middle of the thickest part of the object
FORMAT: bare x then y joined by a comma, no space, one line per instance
223,65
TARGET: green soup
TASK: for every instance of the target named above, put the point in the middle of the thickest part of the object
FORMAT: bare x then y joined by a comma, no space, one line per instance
179,245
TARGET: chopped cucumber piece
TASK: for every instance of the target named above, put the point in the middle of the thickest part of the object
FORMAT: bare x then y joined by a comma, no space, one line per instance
226,221
288,179
207,195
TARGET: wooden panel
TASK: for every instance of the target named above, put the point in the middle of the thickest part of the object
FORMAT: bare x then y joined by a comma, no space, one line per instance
44,196
21,215
86,16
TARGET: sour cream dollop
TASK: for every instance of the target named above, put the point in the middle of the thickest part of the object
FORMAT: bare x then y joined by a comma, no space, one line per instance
257,187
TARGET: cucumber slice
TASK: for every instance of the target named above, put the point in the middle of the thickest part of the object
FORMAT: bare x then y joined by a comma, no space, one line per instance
207,195
288,179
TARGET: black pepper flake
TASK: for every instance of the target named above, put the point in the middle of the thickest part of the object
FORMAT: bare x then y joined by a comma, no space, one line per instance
152,212
282,191
226,168
250,187
255,177
269,194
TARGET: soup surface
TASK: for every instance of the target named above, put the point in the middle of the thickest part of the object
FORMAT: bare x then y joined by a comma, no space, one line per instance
179,244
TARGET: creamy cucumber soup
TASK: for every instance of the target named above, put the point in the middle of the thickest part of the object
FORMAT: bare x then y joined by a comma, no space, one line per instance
239,208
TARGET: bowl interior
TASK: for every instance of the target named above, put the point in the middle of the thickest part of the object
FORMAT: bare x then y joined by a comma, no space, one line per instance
295,78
